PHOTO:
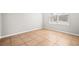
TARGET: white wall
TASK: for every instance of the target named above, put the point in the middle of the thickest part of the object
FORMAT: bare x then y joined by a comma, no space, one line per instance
20,22
0,24
72,28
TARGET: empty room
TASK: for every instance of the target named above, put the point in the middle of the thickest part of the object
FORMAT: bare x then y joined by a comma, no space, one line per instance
39,29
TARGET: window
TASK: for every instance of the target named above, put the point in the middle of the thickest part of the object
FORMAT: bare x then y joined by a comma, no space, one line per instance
59,18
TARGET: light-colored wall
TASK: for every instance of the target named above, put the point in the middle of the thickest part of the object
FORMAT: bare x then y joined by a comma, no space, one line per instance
72,28
20,22
0,24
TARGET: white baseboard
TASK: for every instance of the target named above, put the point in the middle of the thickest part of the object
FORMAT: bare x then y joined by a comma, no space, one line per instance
64,32
19,33
36,29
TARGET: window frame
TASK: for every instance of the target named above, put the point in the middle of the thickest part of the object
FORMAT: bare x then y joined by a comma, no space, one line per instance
57,15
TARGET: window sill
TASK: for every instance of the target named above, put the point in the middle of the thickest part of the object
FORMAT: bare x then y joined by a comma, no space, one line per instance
59,23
